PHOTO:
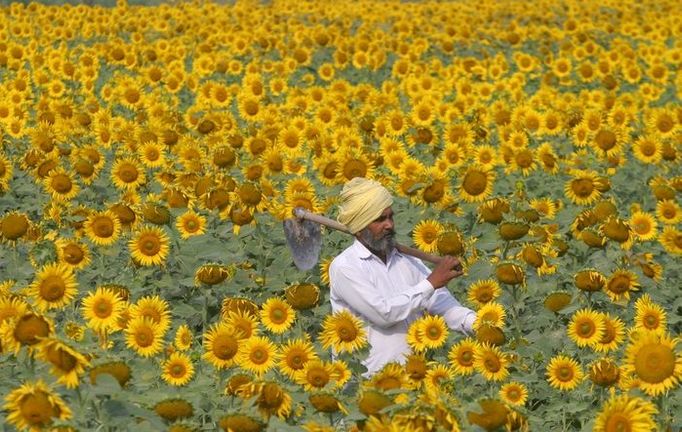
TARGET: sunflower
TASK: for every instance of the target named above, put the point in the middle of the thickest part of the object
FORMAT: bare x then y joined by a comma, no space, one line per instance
183,338
433,331
343,332
154,308
6,171
653,359
315,376
257,355
11,306
611,338
476,184
221,345
582,189
271,399
668,212
277,316
485,156
127,174
294,355
647,149
60,185
25,330
425,234
671,240
437,377
190,224
173,409
483,291
649,315
626,413
149,246
244,322
644,225
240,422
178,369
54,287
490,362
514,393
72,253
391,377
620,284
213,274
491,313
66,363
34,406
102,228
103,309
564,373
144,336
586,328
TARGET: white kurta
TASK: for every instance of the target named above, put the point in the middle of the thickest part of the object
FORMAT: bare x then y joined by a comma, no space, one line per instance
388,297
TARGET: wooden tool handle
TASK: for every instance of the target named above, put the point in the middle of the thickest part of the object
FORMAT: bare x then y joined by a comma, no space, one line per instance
302,213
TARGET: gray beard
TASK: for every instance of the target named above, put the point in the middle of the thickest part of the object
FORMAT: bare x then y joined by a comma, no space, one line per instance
383,245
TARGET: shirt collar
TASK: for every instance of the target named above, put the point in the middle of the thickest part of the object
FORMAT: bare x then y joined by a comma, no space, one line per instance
364,253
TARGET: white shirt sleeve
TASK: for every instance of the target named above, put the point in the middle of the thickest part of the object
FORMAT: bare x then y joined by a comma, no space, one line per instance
357,291
458,317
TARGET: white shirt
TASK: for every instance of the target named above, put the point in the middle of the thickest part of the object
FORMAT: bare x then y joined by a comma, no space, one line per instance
388,297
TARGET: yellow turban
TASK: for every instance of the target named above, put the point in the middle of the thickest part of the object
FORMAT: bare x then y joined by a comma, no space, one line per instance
362,201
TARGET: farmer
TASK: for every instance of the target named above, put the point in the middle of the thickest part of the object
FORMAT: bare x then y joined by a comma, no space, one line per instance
382,287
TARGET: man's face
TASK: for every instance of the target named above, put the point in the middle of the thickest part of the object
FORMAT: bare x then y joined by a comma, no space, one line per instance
379,235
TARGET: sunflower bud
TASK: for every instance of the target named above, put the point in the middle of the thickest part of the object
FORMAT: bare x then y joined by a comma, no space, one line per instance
532,256
589,280
556,301
616,230
510,273
156,213
302,296
125,214
604,372
450,243
513,230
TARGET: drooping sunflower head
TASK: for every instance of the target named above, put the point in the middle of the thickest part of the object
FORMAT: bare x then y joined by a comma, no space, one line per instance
303,296
174,409
213,274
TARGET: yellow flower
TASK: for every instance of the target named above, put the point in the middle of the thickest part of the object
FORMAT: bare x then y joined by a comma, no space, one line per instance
221,345
476,184
315,376
514,393
34,406
564,373
490,313
190,224
483,291
257,354
649,315
54,287
462,356
178,369
127,174
668,212
643,225
343,332
625,412
490,362
183,338
149,246
154,308
102,228
653,359
614,329
277,316
433,331
586,328
621,283
582,189
73,253
425,234
103,309
294,355
144,336
66,363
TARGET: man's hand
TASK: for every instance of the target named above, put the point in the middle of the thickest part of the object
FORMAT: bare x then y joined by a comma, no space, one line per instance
446,270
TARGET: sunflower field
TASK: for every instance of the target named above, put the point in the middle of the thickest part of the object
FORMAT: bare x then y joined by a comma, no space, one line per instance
150,154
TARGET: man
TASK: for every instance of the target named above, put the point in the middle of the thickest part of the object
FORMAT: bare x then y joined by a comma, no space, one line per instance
381,286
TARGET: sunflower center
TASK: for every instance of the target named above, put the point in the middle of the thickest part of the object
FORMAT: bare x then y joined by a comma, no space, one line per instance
434,192
484,296
582,187
152,154
347,332
191,225
605,140
36,409
62,359
103,227
618,422
586,329
52,288
647,148
524,159
475,182
61,183
609,334
565,373
651,321
295,361
225,347
354,168
103,309
664,124
30,328
251,107
330,170
13,226
654,363
466,358
144,337
317,377
177,371
259,356
278,316
619,284
73,254
149,245
492,364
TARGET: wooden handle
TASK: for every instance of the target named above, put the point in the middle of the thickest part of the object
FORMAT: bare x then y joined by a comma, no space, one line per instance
302,213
